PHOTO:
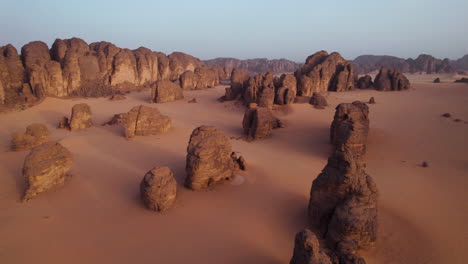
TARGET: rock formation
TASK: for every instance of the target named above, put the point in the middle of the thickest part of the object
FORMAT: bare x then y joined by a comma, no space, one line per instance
365,82
144,121
258,122
391,80
202,78
209,159
158,189
45,167
236,91
80,118
286,89
343,198
325,72
307,250
318,101
35,135
223,73
166,91
71,67
256,66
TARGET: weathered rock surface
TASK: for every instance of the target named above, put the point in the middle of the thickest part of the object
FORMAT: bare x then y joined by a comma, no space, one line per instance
144,121
35,135
202,78
166,91
236,91
318,101
343,198
258,122
286,89
158,189
325,72
209,159
45,167
81,117
73,68
307,249
391,80
365,82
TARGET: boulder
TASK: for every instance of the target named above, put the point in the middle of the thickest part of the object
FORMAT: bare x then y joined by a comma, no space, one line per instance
45,167
307,249
372,100
236,91
81,117
318,101
166,91
35,135
158,189
258,122
343,198
436,80
144,121
209,160
365,82
64,123
391,80
325,72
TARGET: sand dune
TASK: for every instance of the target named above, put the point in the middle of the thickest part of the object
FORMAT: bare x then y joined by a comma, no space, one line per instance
98,217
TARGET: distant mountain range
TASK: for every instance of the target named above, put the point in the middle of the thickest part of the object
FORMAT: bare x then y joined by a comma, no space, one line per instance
256,65
423,63
362,64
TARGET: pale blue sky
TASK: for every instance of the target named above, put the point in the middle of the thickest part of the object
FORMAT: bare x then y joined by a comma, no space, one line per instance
243,29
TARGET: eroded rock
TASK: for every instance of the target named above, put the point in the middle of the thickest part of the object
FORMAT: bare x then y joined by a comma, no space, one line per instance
35,135
81,117
307,249
258,122
209,160
318,101
45,167
166,91
158,189
365,82
144,121
391,80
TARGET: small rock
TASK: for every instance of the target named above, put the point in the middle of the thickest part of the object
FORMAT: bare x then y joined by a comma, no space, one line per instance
194,100
158,189
424,164
457,120
446,115
64,123
437,80
117,97
372,100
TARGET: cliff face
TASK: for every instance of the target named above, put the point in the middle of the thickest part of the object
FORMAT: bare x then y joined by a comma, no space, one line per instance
256,65
71,67
423,63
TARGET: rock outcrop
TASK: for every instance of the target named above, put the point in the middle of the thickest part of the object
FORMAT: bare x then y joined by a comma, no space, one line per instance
144,121
343,198
258,122
80,117
307,249
71,67
166,91
201,78
236,91
286,89
35,135
318,101
158,189
45,167
365,82
391,80
325,72
209,159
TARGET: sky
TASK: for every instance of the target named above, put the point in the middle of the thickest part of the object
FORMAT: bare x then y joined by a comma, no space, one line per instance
244,29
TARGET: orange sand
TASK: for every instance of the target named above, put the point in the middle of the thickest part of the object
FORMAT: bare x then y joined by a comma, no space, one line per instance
98,218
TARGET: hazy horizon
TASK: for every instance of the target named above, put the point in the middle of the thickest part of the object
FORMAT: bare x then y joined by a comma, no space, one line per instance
247,29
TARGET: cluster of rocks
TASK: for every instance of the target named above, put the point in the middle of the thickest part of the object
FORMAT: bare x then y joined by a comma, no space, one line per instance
71,67
80,118
386,80
324,72
342,212
210,161
262,89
